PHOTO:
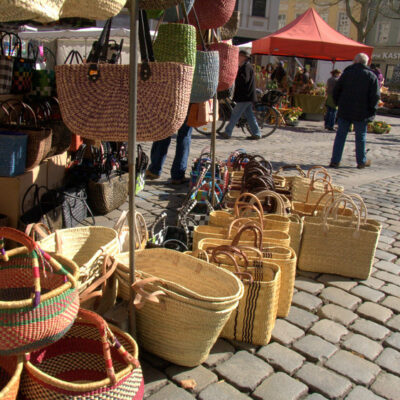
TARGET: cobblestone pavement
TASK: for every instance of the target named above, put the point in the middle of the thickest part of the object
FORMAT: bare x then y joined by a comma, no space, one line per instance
341,339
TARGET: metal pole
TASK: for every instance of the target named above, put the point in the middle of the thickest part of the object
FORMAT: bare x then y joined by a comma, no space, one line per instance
213,140
133,73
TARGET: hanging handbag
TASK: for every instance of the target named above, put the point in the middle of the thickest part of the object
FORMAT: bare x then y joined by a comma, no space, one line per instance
75,208
23,69
44,79
212,13
20,10
230,29
6,64
40,299
91,9
94,98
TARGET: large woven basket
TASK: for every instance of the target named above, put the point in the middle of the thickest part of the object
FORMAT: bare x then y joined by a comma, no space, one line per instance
33,318
10,374
157,4
206,74
176,43
230,29
86,246
228,64
212,13
100,110
92,361
91,9
295,233
19,10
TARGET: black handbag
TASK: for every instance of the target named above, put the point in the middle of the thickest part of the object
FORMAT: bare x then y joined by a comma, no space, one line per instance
75,208
47,209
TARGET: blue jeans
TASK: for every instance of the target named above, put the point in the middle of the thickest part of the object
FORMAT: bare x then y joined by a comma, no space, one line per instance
330,117
340,139
245,108
159,152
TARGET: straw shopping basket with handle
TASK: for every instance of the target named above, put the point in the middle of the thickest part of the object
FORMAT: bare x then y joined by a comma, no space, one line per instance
212,13
92,361
29,321
10,374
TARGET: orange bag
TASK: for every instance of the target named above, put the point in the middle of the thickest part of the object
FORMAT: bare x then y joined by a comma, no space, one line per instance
201,114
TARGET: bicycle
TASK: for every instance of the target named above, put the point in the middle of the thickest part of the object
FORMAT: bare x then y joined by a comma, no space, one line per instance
267,115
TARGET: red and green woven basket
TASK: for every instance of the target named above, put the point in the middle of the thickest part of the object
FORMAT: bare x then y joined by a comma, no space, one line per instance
30,320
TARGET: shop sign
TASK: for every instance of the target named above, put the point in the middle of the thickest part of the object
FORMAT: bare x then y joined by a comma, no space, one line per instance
387,56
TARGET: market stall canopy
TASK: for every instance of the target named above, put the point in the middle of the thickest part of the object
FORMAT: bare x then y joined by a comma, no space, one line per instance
309,36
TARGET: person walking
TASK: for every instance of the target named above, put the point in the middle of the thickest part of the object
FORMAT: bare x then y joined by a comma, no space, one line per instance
159,152
331,108
356,94
244,96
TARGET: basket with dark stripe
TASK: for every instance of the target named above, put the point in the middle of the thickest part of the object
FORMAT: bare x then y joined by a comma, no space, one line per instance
34,318
92,361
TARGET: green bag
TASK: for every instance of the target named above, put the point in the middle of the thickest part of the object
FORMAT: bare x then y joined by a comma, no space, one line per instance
44,80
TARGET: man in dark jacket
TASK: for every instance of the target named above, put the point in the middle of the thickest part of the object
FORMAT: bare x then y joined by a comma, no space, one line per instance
356,94
244,96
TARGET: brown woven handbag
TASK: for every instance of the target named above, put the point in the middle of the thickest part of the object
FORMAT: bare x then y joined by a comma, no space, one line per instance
94,98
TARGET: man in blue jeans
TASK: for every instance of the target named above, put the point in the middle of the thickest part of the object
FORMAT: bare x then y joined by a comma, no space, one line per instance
244,96
356,94
159,152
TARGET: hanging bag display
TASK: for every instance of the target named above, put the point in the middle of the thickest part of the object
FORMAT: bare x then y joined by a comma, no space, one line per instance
91,9
44,79
39,295
23,69
6,63
94,97
230,29
19,10
93,360
212,13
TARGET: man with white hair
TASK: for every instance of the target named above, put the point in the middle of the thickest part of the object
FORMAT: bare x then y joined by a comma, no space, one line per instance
356,94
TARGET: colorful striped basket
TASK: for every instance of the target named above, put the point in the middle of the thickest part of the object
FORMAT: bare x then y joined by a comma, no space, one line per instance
92,361
10,374
30,321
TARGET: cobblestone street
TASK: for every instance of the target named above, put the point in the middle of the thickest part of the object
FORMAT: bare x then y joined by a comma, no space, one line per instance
341,339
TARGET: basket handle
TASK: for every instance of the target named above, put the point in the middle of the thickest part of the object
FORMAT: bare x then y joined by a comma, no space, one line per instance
292,166
197,252
318,170
39,228
253,249
243,197
142,296
246,206
280,206
107,339
311,188
252,227
236,221
38,255
333,209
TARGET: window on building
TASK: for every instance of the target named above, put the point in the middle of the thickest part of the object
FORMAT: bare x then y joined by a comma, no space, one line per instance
259,8
343,24
382,32
281,21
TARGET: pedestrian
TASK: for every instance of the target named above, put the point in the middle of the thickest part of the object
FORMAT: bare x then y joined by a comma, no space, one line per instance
244,96
378,74
159,152
331,108
356,94
280,76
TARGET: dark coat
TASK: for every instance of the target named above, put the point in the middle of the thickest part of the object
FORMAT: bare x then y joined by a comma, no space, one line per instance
357,93
245,84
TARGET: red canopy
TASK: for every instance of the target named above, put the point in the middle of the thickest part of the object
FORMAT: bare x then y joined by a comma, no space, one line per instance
309,36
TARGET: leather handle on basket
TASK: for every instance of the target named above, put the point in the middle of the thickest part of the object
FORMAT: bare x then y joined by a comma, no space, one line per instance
17,236
252,227
223,249
318,170
240,221
107,339
280,205
246,206
142,295
241,275
255,250
39,228
311,188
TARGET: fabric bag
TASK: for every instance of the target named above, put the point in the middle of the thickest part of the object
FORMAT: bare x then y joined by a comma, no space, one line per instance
342,246
23,70
212,13
163,89
6,64
39,295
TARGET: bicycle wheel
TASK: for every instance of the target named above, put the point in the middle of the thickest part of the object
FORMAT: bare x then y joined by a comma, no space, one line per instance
224,111
268,121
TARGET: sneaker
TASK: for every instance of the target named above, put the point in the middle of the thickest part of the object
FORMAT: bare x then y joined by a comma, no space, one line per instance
253,137
224,135
334,165
366,164
179,181
151,176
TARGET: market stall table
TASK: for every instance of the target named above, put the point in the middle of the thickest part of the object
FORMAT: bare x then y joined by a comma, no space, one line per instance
313,106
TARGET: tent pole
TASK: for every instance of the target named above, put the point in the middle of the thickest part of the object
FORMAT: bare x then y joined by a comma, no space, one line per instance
133,62
213,141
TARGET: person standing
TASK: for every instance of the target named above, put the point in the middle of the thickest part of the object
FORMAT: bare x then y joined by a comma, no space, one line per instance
280,76
356,94
159,152
378,74
330,116
244,96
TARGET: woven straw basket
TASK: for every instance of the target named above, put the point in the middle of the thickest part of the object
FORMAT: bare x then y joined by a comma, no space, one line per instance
176,43
92,361
184,322
10,373
206,74
212,13
100,110
295,233
157,4
340,245
92,9
32,319
19,10
228,64
230,29
86,246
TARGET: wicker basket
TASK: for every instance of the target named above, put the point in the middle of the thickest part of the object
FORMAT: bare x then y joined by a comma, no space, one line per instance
176,43
230,29
10,373
212,13
99,110
92,361
91,9
32,321
295,233
86,246
19,10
